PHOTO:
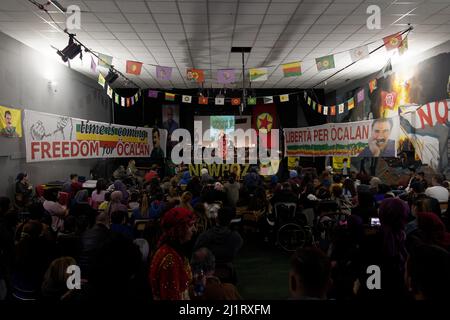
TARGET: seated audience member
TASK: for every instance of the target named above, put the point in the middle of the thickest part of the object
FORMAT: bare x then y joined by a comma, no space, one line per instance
421,179
232,190
119,224
142,212
23,190
437,191
348,189
202,221
206,286
220,239
52,206
428,273
421,203
430,230
115,204
54,287
98,195
285,194
133,204
157,207
185,178
72,186
102,206
81,206
170,272
205,177
252,180
386,248
365,208
195,187
310,275
32,257
294,181
120,186
186,199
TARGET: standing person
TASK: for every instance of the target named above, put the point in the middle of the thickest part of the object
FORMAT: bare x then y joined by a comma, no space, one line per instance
232,190
24,190
170,271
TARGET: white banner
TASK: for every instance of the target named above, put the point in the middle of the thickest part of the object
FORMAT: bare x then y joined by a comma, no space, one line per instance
53,137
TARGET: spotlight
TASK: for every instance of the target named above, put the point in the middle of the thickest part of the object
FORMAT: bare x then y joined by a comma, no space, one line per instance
71,51
111,76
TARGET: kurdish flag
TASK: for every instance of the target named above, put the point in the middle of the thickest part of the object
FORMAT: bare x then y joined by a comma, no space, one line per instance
292,69
258,74
170,96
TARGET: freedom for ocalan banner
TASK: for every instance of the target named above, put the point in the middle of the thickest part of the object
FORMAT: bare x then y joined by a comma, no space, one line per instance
53,137
369,138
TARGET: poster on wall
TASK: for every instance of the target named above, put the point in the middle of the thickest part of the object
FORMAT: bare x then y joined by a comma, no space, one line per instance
170,118
427,127
10,122
369,138
51,137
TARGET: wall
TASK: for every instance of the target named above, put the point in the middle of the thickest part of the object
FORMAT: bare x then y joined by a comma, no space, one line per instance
24,77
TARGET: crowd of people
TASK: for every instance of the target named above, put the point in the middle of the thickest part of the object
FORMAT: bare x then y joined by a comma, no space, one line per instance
148,236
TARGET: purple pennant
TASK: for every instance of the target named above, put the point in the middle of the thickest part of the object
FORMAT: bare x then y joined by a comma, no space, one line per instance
152,94
225,76
132,100
163,73
360,95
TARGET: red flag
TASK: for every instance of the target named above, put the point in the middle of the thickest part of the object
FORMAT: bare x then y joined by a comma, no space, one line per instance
202,100
235,101
264,120
134,67
393,41
196,75
388,99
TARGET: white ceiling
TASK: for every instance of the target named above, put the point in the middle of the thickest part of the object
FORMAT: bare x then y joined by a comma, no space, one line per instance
200,33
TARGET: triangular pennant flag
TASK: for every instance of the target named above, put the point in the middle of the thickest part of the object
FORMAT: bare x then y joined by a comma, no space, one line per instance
186,99
258,74
202,100
325,63
292,69
372,85
136,97
351,103
196,75
226,76
104,60
220,101
152,94
109,91
309,101
360,96
325,110
314,105
332,110
393,41
163,73
93,65
134,67
268,99
235,101
170,96
403,46
319,108
359,53
251,101
117,98
122,101
341,108
284,98
101,80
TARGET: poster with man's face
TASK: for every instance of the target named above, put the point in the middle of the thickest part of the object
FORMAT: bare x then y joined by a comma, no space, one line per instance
10,122
170,117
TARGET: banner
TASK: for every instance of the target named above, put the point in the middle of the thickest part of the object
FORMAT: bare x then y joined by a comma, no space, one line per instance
427,128
370,138
53,137
338,163
10,122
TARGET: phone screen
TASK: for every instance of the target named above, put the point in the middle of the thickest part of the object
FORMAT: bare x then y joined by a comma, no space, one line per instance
374,222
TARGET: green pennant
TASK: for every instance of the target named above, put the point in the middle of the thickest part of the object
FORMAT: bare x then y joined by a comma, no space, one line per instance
251,101
117,98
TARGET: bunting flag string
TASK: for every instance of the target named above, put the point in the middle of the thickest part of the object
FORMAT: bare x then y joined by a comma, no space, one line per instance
117,98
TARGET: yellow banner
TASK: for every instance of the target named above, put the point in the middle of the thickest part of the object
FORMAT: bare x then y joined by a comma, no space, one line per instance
292,163
338,163
10,122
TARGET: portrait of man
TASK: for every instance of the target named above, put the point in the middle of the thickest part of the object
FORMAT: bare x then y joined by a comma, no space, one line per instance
379,143
9,130
169,123
157,154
